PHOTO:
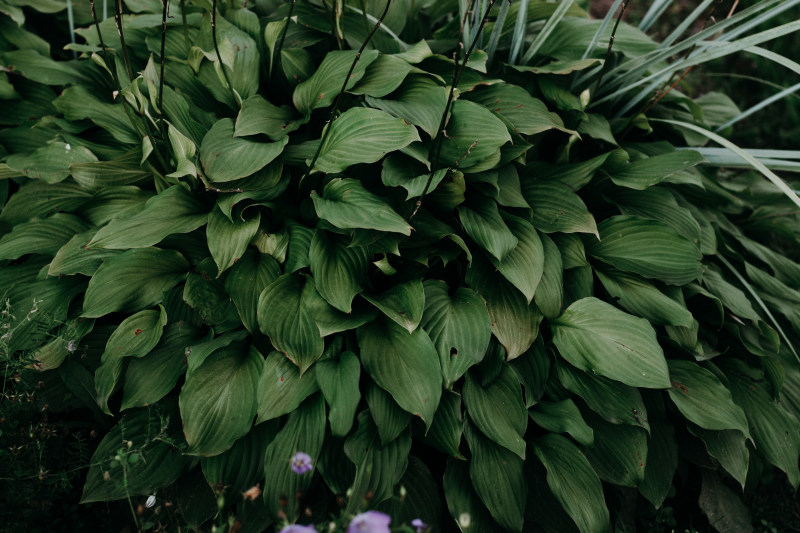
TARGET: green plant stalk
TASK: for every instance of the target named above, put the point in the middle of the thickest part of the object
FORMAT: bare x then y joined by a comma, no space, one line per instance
278,49
102,44
610,46
165,4
216,49
339,96
185,28
118,20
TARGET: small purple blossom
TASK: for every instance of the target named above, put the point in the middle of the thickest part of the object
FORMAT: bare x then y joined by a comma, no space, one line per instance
419,524
370,522
294,528
71,346
301,463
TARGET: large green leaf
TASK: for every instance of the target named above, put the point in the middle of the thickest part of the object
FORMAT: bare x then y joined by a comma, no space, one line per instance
524,265
619,453
124,170
563,417
658,203
403,303
404,364
258,116
647,172
321,88
339,270
384,76
419,101
648,248
474,134
37,199
133,280
282,315
241,466
466,507
498,477
50,163
173,211
134,337
246,280
694,389
573,482
227,241
363,135
514,322
304,432
527,115
75,257
390,419
338,381
218,400
346,204
459,326
596,337
729,447
227,158
662,454
549,296
483,223
498,410
151,432
281,388
41,236
557,208
643,299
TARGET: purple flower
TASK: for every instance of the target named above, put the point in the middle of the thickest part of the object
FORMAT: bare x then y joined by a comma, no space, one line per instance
370,522
301,463
294,528
419,524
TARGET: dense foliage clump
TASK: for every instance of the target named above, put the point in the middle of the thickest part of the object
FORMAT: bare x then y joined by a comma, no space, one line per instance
467,264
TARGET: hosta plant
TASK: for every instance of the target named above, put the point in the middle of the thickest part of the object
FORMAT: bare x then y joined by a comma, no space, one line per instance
471,263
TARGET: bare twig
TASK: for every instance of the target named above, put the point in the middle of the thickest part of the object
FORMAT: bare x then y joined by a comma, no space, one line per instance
339,96
610,45
278,49
118,20
185,28
165,5
102,44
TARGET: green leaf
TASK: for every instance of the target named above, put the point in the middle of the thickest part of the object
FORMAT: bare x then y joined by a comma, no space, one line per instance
573,482
459,326
563,417
466,508
227,158
281,388
75,257
549,296
474,134
123,170
304,432
662,455
41,236
619,453
524,265
326,83
50,163
643,299
134,337
258,116
658,203
38,199
379,467
733,298
282,316
362,135
151,377
218,400
160,463
227,241
403,303
498,477
514,322
498,410
173,211
383,76
404,364
557,208
526,114
420,499
246,280
647,248
339,270
647,172
133,280
207,296
241,466
198,353
722,506
483,223
338,381
729,447
329,320
419,101
389,418
447,426
346,204
694,389
598,338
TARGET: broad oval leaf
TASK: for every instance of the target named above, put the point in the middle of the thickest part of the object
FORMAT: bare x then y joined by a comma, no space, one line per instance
474,135
498,410
648,248
227,241
218,400
527,115
133,280
403,303
647,172
41,236
281,388
619,453
246,280
258,116
339,270
524,265
573,482
321,88
227,158
563,417
557,208
346,204
362,135
483,223
404,364
419,101
643,299
598,338
338,381
459,326
282,315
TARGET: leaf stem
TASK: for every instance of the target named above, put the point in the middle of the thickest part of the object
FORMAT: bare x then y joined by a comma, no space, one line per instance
339,96
165,5
610,46
111,68
118,20
278,49
216,49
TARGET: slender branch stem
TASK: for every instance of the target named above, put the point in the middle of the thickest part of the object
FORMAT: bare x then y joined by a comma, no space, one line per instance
610,45
279,49
102,44
216,49
436,148
185,28
165,5
338,100
118,20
